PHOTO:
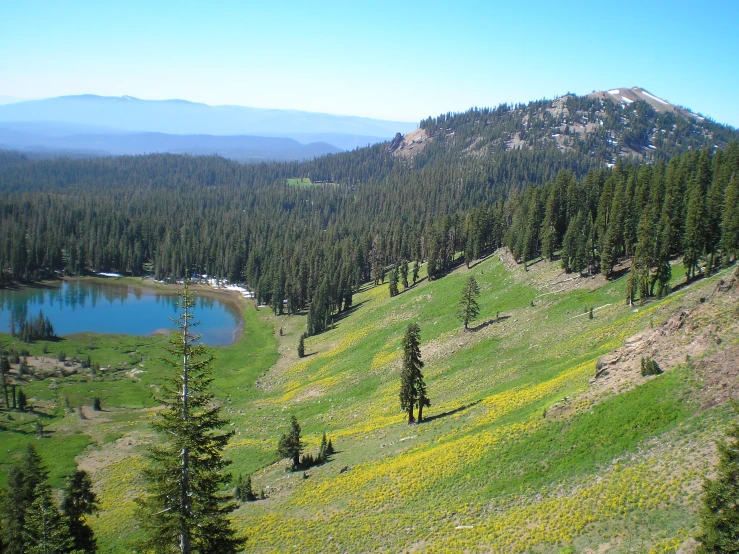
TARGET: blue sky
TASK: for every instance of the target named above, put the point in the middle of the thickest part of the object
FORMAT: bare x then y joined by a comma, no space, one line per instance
401,60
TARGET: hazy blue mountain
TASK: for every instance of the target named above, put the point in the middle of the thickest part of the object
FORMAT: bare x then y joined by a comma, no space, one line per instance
10,99
50,141
183,117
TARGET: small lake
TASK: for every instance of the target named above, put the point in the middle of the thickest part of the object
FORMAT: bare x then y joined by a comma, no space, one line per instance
114,308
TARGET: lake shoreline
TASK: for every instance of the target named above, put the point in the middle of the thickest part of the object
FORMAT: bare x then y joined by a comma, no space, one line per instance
230,297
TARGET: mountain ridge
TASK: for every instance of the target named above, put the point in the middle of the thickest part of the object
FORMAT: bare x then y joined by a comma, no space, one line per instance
603,125
179,116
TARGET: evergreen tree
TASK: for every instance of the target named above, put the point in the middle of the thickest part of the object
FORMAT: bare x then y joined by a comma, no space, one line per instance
323,452
468,308
730,222
609,248
183,508
575,244
243,491
410,375
4,371
45,531
22,401
393,282
80,501
694,228
643,256
290,445
404,273
416,269
720,512
301,346
24,478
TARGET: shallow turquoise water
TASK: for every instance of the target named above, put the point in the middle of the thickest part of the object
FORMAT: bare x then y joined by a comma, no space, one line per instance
111,308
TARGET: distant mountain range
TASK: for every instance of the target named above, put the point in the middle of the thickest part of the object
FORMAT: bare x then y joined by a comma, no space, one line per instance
38,140
104,125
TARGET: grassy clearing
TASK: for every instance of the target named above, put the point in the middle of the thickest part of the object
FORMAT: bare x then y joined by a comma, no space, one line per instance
300,182
486,471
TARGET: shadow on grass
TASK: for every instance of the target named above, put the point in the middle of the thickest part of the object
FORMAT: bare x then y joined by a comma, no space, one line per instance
346,313
450,412
488,322
685,283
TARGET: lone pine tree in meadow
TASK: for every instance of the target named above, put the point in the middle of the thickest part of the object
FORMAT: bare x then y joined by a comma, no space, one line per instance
184,508
468,308
290,445
412,385
301,346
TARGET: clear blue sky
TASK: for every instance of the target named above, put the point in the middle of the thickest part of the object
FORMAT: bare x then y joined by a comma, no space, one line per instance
400,60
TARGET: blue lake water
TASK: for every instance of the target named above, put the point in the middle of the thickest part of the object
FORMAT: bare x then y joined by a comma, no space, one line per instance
113,308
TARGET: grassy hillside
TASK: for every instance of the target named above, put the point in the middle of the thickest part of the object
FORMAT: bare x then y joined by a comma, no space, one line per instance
522,450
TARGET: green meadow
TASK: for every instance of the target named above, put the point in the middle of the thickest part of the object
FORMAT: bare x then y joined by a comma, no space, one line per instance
520,451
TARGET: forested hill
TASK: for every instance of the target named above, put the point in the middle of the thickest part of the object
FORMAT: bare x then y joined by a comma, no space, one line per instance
602,126
357,215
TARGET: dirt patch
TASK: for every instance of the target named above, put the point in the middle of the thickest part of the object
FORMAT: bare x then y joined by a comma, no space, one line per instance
548,277
412,143
703,332
111,452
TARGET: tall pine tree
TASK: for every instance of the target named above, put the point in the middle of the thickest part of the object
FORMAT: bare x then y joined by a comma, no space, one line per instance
468,307
184,508
411,375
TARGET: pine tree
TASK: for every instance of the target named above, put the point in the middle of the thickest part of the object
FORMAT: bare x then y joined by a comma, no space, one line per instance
323,450
243,491
45,531
423,399
184,509
468,308
404,273
290,445
720,512
609,247
393,282
644,257
410,375
416,269
23,479
301,346
694,228
79,501
4,370
22,401
730,222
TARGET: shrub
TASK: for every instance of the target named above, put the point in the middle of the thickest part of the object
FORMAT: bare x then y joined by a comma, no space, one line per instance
649,367
243,491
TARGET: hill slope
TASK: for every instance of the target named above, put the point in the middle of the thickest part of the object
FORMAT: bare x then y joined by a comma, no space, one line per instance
602,126
521,449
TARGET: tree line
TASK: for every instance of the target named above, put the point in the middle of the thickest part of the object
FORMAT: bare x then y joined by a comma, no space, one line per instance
311,248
